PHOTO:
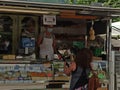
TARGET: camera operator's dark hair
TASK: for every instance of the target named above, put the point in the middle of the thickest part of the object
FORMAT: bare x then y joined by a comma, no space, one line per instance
84,58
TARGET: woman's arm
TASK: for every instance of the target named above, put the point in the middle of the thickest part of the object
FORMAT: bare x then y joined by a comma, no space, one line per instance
68,70
54,44
39,40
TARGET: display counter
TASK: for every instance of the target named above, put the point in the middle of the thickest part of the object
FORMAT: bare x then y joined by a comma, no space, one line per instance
24,74
33,86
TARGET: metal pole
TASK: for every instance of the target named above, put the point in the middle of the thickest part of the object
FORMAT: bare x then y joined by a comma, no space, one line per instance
112,71
109,56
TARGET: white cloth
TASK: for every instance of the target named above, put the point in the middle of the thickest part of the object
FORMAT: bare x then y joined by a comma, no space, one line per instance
46,48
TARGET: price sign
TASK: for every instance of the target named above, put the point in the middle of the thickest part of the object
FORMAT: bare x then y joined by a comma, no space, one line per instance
49,19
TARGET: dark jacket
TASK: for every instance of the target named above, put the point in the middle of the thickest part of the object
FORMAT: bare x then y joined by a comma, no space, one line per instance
75,76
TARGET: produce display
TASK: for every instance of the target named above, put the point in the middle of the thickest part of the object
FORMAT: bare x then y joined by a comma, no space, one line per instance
23,73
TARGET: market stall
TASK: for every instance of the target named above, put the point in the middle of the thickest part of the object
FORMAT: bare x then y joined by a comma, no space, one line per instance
74,27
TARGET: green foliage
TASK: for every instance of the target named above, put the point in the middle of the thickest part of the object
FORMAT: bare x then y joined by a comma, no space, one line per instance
116,19
106,3
111,3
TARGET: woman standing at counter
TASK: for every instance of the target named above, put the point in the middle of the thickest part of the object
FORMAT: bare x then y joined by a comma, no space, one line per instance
46,43
79,69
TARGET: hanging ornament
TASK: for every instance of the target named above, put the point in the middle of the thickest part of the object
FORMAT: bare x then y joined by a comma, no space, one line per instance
92,32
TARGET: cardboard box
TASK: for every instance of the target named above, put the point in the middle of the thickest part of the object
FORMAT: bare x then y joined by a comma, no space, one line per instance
9,57
102,88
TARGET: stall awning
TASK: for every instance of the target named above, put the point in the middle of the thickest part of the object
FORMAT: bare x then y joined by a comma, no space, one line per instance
115,43
116,28
49,8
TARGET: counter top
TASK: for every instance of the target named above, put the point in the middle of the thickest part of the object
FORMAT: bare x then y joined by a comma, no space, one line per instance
24,61
31,86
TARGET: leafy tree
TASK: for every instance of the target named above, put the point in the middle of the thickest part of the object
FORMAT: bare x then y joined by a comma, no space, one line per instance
106,3
111,3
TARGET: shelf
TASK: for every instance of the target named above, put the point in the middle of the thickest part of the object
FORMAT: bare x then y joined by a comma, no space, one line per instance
26,61
18,86
14,62
6,33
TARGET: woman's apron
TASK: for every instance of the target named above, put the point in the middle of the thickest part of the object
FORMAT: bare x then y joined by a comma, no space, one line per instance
46,49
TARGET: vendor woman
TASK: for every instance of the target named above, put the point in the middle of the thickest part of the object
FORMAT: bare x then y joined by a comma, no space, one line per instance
46,43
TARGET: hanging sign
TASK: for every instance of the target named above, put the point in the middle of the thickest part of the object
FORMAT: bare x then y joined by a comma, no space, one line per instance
49,19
